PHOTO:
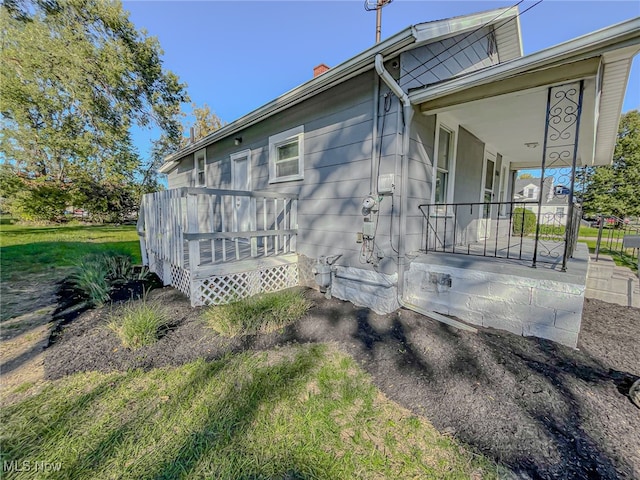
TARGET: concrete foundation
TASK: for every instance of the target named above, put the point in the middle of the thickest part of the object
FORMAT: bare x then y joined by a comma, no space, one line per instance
542,302
366,288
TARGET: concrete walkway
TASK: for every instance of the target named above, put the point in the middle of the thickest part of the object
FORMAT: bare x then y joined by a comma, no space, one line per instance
610,283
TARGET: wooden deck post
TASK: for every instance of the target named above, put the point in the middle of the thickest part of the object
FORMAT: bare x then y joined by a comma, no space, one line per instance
193,227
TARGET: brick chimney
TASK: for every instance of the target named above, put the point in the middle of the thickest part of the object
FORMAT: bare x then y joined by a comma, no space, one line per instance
319,69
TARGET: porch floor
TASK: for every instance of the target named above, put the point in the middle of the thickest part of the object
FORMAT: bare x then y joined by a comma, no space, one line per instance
546,269
504,251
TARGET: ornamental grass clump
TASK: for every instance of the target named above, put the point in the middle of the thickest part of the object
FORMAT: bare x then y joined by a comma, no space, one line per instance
264,313
139,323
96,275
90,278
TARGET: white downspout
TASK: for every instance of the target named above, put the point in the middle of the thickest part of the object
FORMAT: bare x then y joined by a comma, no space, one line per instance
404,179
373,184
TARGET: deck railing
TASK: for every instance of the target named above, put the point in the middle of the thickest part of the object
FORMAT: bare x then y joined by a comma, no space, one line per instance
197,228
501,230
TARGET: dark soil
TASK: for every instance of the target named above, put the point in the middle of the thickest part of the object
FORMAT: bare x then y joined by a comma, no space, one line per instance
544,410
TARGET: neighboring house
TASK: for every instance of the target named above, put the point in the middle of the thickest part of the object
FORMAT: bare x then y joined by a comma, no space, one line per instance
555,199
346,179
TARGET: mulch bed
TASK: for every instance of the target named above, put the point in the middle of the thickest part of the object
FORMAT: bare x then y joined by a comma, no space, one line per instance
544,410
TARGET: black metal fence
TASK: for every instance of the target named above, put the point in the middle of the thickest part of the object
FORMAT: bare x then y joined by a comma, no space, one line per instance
509,230
613,238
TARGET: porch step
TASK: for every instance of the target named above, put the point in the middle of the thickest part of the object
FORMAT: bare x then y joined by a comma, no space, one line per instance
610,283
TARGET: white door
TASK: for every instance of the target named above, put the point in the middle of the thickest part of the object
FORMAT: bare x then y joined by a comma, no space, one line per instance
241,180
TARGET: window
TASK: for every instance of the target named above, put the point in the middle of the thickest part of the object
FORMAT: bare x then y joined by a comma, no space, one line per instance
443,164
200,161
530,193
560,211
286,156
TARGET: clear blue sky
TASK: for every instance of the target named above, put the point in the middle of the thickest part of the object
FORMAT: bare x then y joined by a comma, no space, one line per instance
238,55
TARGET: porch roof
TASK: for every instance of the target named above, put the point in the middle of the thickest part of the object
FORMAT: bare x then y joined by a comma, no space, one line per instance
491,102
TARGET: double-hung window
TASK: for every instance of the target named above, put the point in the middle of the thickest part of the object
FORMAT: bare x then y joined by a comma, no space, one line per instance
286,156
445,141
200,160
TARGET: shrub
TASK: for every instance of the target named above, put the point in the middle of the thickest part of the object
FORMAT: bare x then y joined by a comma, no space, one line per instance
524,221
39,203
96,275
139,323
263,313
90,277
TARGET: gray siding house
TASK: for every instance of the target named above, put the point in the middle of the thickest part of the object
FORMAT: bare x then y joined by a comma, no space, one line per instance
388,180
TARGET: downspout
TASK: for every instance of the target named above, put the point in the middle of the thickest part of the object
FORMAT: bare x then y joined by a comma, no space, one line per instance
407,109
373,184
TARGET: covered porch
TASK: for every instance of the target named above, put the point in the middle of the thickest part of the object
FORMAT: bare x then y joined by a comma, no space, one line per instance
550,123
497,250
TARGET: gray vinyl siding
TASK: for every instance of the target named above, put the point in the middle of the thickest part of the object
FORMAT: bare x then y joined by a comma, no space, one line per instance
468,177
337,164
182,175
447,58
420,177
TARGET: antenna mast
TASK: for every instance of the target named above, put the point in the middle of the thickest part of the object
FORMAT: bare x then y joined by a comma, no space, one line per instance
369,6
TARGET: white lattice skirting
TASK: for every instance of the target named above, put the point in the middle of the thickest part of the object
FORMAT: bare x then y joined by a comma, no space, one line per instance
218,290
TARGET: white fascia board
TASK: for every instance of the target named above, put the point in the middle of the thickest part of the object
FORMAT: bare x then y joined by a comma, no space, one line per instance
168,166
434,31
595,43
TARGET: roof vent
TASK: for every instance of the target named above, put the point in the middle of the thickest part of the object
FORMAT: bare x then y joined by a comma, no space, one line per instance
319,69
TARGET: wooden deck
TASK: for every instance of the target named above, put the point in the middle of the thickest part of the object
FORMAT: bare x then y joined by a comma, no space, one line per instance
214,245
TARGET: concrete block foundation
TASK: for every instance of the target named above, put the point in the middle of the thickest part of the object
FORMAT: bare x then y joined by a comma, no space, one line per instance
541,302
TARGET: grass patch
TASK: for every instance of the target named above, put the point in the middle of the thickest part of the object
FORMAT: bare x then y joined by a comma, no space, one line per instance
23,387
28,249
297,412
140,323
263,313
621,259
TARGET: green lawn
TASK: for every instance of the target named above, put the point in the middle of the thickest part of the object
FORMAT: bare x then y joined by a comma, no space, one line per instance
39,249
304,411
301,412
623,259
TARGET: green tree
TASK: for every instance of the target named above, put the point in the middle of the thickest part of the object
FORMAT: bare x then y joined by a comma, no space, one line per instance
615,189
76,77
206,121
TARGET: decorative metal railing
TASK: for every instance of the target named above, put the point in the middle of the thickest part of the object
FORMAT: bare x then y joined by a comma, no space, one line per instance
501,230
613,236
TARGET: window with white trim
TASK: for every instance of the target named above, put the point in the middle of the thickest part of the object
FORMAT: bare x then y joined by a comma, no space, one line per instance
199,166
443,164
286,156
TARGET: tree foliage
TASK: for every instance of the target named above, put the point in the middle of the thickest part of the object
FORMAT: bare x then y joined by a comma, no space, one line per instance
77,76
206,121
615,189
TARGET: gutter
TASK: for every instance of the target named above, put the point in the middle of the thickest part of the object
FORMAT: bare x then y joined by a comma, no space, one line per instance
407,109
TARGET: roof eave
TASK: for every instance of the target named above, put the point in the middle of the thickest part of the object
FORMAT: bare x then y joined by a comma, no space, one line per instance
586,46
354,66
348,69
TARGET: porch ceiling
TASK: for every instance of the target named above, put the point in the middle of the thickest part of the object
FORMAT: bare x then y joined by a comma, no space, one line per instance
508,122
